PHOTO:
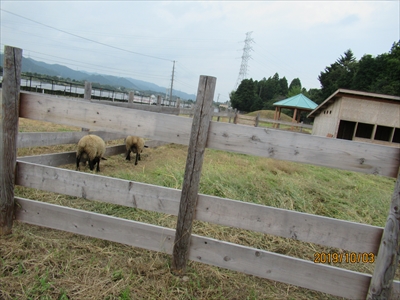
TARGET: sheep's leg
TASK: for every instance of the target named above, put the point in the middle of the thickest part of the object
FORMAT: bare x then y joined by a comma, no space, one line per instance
128,155
78,159
98,165
91,164
136,158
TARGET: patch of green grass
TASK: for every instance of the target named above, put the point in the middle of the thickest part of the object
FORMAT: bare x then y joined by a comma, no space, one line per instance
41,286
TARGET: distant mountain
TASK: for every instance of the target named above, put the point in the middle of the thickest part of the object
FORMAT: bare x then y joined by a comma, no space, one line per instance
34,66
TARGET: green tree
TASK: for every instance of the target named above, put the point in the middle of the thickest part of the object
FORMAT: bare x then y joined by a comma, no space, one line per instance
283,86
366,74
295,83
371,74
339,74
295,88
245,95
315,95
388,64
272,90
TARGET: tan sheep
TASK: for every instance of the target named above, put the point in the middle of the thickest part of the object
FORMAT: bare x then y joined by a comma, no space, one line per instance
92,148
134,144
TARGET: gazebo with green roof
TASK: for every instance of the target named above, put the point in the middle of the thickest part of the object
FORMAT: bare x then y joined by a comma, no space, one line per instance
298,103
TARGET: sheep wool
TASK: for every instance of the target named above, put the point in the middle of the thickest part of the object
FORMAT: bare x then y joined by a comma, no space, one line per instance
134,144
92,148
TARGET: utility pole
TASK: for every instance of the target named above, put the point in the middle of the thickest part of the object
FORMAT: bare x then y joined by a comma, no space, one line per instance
245,58
172,82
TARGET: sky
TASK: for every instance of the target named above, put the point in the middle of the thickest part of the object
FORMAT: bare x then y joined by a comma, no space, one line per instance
153,40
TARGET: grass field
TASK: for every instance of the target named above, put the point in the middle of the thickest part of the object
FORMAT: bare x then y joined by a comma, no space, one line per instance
40,263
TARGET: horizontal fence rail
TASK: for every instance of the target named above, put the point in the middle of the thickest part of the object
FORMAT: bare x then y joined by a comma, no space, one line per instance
247,120
291,124
152,108
261,263
95,116
38,139
304,227
277,144
64,158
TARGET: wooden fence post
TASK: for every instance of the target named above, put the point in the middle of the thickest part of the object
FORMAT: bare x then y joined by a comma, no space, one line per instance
131,97
158,100
192,111
9,134
257,120
230,114
388,254
88,91
87,96
194,162
236,118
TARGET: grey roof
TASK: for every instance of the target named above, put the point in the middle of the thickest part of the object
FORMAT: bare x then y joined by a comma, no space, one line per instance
298,101
351,93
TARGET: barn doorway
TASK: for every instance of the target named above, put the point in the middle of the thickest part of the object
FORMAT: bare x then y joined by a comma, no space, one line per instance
346,130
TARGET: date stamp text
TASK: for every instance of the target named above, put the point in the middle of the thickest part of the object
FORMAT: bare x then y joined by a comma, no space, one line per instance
347,257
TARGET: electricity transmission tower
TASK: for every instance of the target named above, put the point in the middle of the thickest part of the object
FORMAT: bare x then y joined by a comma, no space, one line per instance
168,93
245,58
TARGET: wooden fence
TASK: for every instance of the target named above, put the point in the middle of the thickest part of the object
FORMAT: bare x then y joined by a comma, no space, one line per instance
39,84
237,118
41,172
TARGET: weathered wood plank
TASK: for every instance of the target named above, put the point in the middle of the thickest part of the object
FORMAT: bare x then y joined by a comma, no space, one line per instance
318,277
285,123
87,96
146,107
261,263
246,122
155,144
8,134
389,251
53,160
95,225
222,114
269,220
249,118
64,158
155,126
194,163
277,144
37,139
99,188
300,226
395,290
298,147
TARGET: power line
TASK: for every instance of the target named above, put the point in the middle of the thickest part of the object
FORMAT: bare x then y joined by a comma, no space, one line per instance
80,64
62,60
90,40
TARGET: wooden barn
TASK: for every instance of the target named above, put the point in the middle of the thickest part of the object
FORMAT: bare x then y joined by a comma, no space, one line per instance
359,116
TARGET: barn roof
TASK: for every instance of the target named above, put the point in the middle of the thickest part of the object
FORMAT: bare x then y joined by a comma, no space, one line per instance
355,94
298,101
